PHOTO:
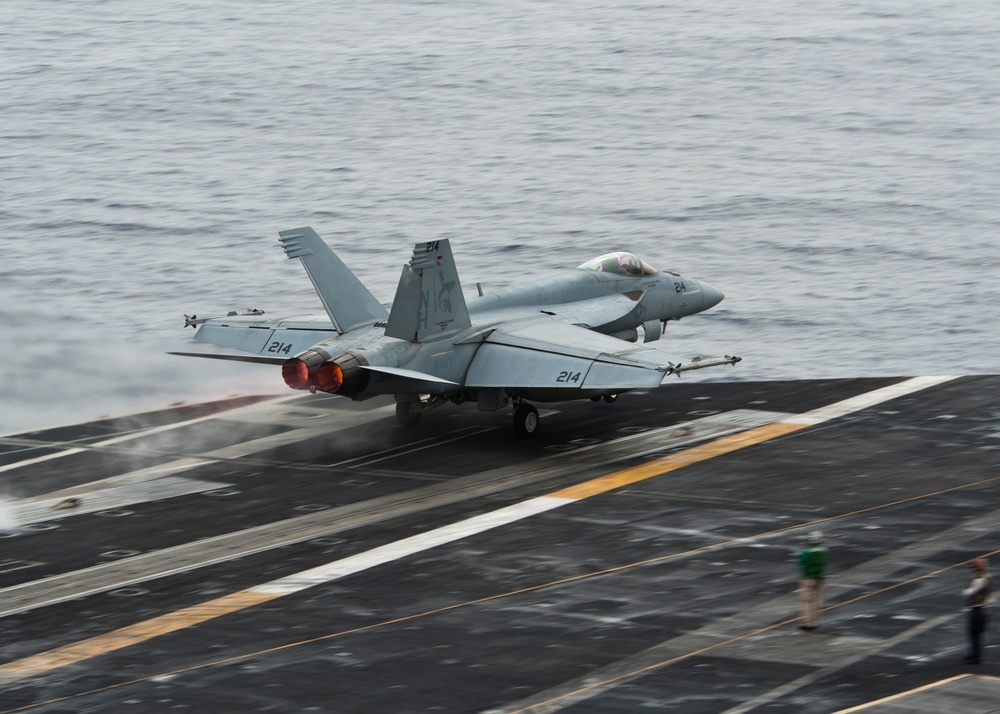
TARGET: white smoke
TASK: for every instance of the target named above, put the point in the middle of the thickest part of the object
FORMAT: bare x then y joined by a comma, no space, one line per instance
8,522
104,376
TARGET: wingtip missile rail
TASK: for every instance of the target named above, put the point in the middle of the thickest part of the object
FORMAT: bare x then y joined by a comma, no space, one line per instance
702,363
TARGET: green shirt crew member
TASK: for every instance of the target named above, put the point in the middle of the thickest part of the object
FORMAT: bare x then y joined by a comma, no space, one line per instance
812,569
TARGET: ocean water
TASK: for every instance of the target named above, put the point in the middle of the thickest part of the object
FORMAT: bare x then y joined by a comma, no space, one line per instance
832,167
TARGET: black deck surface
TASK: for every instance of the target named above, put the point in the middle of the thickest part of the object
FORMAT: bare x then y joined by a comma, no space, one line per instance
673,593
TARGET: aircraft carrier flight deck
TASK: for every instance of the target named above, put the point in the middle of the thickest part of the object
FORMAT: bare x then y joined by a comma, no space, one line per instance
310,554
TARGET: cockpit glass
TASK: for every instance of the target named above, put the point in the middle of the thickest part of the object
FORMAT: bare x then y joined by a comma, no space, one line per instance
619,263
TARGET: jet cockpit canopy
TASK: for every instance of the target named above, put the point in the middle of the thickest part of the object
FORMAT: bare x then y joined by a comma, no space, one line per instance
621,263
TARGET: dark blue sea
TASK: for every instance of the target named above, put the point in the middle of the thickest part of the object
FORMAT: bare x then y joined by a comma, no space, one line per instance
832,167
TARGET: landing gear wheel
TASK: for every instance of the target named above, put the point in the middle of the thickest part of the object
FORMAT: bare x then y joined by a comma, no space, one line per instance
611,398
406,414
525,421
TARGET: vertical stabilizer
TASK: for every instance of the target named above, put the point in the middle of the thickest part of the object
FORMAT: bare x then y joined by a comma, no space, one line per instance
346,299
429,304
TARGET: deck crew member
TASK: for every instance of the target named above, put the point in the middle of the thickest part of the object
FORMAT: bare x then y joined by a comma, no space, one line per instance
977,595
812,569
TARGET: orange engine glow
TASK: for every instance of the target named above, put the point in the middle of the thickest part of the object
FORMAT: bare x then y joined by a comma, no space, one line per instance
295,372
329,377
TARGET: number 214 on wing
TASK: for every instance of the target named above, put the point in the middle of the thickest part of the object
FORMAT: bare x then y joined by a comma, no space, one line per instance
568,377
279,348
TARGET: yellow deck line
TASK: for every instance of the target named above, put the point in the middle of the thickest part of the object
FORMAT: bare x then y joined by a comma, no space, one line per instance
130,635
672,462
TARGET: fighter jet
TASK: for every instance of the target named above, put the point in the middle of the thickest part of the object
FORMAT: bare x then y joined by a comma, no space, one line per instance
569,334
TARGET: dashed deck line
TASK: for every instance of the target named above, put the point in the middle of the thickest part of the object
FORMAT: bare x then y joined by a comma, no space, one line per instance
53,507
131,435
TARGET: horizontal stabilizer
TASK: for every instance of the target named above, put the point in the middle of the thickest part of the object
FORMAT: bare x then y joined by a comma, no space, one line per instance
233,358
408,374
346,299
266,339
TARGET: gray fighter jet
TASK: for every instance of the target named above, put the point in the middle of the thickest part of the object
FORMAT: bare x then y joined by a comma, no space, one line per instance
570,334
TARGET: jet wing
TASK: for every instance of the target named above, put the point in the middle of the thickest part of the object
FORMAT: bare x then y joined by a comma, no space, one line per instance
553,354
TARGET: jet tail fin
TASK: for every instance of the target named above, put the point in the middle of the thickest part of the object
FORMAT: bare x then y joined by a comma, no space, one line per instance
347,301
429,304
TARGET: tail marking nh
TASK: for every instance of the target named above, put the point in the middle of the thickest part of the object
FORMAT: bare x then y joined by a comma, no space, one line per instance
429,303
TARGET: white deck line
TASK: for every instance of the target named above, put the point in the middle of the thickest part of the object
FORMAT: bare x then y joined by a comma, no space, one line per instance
870,399
45,507
134,434
40,459
409,546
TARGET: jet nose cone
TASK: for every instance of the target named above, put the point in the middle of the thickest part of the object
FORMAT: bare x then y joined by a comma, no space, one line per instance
710,296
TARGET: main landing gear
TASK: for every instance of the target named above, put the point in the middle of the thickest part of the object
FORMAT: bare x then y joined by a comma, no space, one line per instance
408,413
525,420
609,398
526,416
408,410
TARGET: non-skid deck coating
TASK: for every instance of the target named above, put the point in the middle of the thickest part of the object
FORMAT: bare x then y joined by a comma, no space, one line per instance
309,554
